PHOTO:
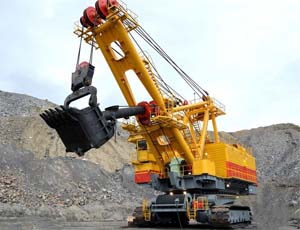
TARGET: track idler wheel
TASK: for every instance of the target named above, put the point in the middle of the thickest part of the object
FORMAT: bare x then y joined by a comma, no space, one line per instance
102,7
90,18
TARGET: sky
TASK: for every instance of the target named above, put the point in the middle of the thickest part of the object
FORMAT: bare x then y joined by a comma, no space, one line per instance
244,53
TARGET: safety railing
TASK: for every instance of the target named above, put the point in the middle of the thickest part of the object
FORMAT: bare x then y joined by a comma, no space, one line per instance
216,102
186,170
219,104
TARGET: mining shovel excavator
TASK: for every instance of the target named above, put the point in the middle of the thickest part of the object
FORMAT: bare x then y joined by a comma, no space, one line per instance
198,175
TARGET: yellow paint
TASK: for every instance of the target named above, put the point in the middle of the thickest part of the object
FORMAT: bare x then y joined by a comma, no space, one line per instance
220,153
114,31
145,156
148,166
203,167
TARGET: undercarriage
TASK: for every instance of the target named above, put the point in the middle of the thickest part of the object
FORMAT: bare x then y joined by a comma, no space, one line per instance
181,210
194,200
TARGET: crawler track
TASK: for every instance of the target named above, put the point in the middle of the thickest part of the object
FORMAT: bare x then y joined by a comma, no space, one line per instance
227,215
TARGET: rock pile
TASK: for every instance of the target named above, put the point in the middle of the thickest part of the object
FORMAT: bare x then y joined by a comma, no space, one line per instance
77,188
12,105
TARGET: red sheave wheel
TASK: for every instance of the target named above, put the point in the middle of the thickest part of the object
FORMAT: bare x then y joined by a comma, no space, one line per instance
90,17
102,7
83,22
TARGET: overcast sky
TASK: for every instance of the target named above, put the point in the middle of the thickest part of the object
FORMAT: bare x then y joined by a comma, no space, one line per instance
244,53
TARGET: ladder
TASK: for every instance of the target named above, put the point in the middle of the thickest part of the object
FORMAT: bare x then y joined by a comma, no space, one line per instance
191,211
146,210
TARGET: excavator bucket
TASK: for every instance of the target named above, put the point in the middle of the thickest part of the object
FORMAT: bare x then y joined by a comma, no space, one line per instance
80,130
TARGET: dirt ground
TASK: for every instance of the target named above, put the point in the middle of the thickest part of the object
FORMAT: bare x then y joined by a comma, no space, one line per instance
41,223
38,223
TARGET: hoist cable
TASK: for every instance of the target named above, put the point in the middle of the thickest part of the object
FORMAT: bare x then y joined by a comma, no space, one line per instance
79,49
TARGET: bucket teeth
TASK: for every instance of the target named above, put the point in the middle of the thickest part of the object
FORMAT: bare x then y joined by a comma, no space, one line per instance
55,117
79,130
47,118
62,115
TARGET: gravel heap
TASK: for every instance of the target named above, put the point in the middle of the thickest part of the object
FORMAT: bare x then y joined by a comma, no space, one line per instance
53,185
13,104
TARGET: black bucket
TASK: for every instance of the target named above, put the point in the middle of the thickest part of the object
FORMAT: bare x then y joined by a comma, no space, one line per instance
80,130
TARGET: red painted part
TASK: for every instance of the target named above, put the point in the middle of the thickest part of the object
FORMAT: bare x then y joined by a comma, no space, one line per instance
198,204
188,169
185,102
97,7
154,108
241,172
143,177
83,22
102,7
145,118
90,17
84,64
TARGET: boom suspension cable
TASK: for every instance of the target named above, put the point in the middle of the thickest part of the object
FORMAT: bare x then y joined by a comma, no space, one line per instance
167,89
146,37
